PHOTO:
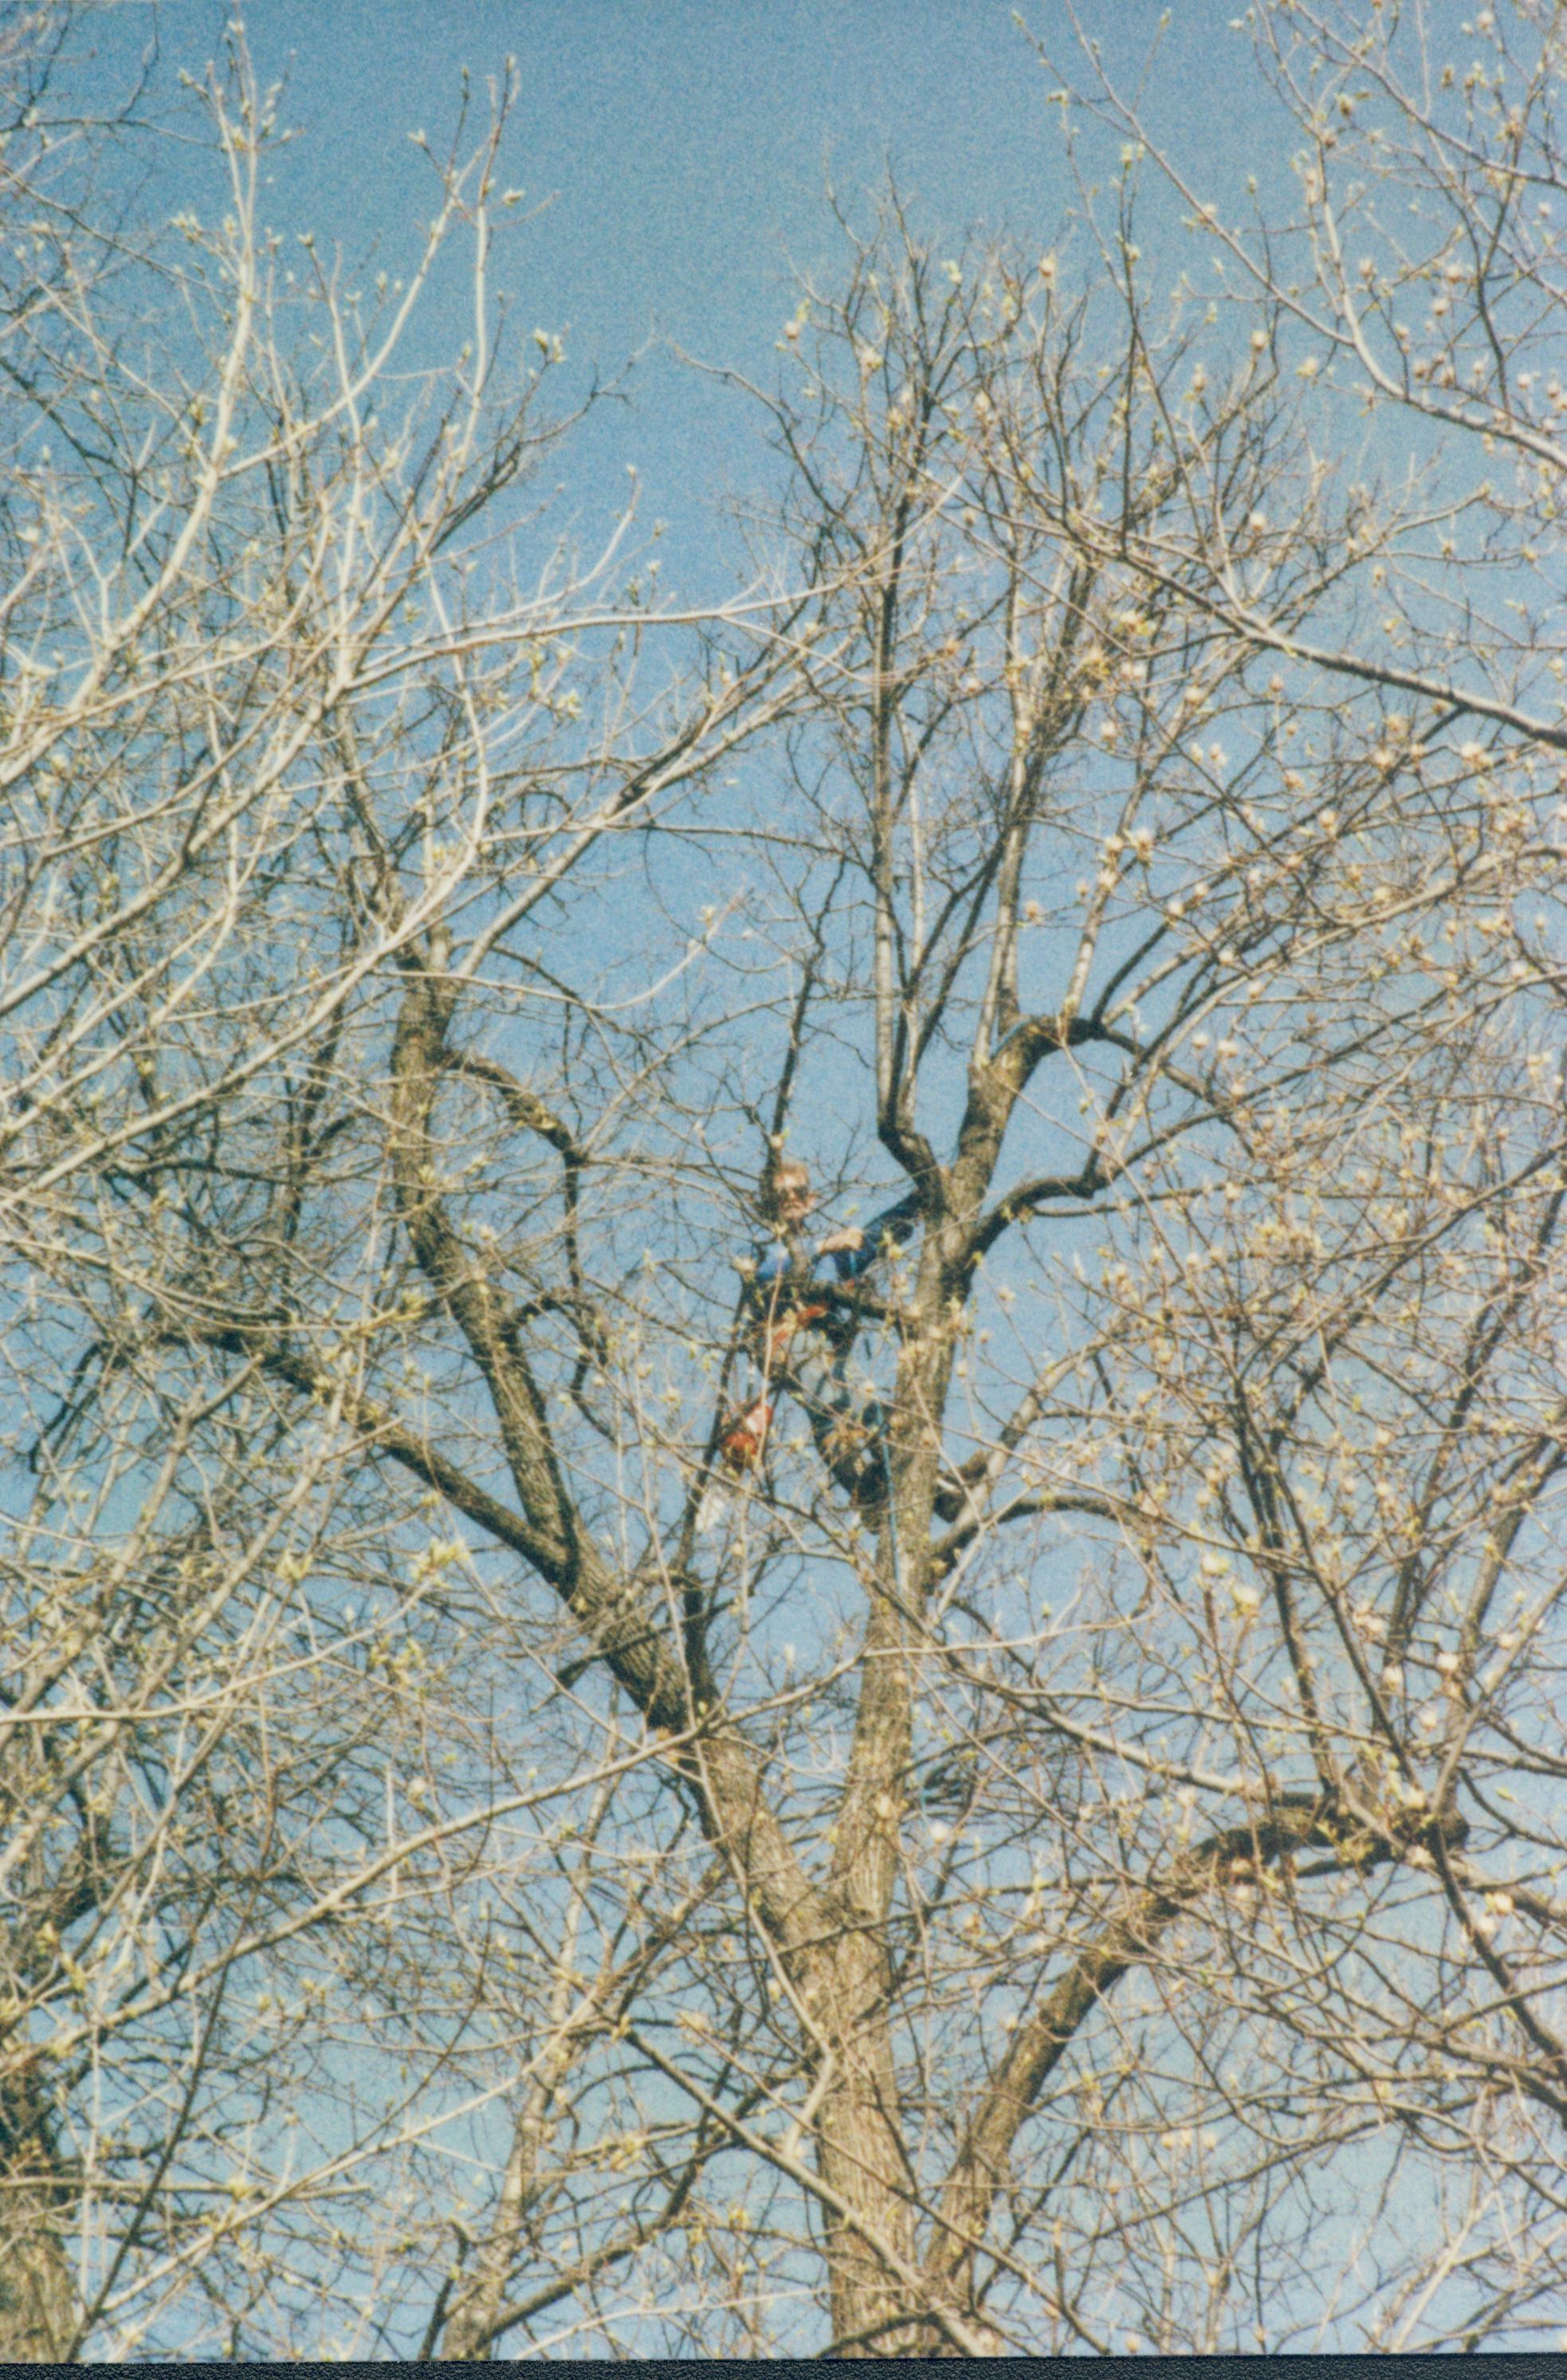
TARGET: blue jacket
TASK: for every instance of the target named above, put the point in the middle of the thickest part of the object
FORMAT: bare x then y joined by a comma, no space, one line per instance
890,1229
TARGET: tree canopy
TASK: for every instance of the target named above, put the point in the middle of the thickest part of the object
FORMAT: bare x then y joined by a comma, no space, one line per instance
532,1821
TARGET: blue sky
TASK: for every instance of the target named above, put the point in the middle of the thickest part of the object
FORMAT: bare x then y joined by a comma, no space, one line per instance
679,150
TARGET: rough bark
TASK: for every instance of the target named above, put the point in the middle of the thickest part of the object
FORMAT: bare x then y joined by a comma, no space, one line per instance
37,2295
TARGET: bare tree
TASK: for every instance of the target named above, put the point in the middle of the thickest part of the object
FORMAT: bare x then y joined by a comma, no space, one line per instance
1284,989
977,1790
281,718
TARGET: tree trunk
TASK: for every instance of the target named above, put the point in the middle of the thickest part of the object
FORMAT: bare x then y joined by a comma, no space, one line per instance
861,2142
860,2152
37,2298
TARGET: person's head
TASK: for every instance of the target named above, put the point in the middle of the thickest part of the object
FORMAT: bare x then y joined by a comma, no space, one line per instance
791,1197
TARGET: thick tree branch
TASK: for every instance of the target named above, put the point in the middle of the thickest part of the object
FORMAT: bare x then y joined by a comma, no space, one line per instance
1234,1856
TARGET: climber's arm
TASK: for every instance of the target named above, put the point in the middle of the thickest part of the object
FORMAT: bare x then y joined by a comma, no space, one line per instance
855,1249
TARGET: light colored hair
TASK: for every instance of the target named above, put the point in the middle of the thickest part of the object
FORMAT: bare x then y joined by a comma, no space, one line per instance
790,1178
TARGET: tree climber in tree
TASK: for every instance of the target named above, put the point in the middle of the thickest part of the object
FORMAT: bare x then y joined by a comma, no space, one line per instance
806,1311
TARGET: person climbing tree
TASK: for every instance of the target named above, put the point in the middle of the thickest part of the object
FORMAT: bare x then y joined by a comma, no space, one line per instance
806,1311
